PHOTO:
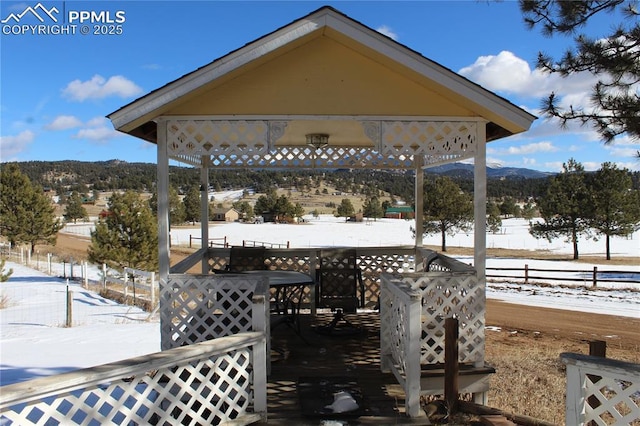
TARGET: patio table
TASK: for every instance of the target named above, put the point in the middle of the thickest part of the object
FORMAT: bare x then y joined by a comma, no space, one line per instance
289,291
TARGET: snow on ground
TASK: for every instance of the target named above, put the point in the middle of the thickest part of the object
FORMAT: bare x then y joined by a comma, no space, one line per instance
35,343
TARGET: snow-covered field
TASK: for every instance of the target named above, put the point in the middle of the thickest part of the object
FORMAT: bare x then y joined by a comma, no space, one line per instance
34,341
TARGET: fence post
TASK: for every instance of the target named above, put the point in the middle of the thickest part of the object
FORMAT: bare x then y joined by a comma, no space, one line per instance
190,240
69,320
451,367
104,276
85,272
595,276
71,268
125,284
596,348
526,273
153,290
49,255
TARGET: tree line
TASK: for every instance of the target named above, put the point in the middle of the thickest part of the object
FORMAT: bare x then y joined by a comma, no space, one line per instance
572,205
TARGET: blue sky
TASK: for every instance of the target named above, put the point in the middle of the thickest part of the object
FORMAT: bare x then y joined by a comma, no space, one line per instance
56,89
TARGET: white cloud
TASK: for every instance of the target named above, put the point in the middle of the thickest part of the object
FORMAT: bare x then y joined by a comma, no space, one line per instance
64,122
555,166
97,129
99,87
527,149
386,30
591,166
532,148
508,73
97,134
12,145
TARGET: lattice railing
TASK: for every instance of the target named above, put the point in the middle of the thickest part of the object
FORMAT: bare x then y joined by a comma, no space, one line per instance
371,260
601,391
212,382
195,308
413,310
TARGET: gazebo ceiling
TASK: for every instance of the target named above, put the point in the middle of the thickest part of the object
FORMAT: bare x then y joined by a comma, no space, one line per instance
324,73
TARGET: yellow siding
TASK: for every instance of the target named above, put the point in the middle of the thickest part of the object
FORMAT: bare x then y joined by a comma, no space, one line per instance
321,77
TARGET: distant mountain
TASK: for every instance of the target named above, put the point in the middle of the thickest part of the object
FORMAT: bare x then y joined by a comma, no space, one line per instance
466,170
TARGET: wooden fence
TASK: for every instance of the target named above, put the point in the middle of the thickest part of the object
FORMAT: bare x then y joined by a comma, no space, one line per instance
213,242
587,276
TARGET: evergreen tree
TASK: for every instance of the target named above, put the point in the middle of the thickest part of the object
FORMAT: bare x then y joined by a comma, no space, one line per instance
245,209
127,236
74,209
4,275
494,222
298,210
192,205
176,207
566,208
345,209
611,58
372,208
446,208
26,214
616,204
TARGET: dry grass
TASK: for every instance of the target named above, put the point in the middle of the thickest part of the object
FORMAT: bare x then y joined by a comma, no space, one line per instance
530,378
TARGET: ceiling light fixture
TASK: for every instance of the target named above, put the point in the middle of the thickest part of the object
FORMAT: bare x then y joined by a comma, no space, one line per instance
317,140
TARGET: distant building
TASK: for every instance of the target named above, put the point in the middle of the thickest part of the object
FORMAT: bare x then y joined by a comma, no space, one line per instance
399,212
225,215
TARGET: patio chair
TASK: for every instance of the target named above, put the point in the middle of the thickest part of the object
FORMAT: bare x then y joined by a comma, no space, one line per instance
245,259
339,280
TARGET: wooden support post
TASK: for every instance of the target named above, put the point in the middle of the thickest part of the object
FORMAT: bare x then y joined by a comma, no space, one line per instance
451,367
526,273
596,348
595,276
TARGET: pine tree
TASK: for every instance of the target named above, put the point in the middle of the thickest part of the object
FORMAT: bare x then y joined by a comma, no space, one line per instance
566,208
446,208
372,208
612,58
74,209
494,222
616,204
192,205
26,214
127,236
345,209
4,275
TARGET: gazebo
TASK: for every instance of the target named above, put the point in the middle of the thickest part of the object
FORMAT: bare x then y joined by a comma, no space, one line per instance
324,92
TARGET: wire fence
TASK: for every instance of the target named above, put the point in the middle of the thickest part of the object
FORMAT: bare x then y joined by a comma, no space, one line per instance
129,286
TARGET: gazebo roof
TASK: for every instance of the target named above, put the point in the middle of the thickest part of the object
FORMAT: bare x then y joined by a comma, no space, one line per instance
323,73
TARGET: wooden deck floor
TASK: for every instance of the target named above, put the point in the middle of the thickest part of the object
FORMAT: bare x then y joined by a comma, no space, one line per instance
322,359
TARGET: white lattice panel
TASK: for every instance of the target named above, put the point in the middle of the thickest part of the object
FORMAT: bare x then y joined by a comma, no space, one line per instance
208,383
450,294
252,143
428,137
194,308
601,391
394,328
